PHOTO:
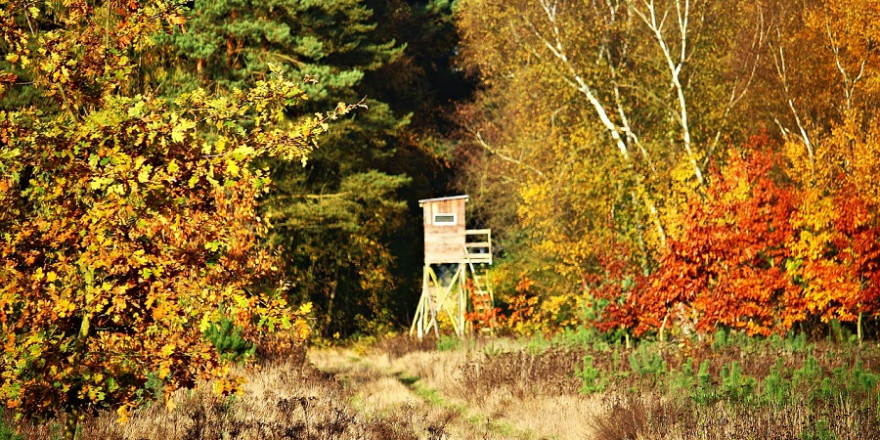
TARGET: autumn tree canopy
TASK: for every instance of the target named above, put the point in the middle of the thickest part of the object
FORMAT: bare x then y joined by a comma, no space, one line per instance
617,146
129,221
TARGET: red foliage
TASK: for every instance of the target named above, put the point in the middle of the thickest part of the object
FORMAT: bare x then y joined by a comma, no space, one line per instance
484,315
617,289
860,239
757,253
727,269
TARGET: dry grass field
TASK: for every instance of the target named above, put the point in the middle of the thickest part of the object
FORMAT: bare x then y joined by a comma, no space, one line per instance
725,387
530,397
729,387
282,399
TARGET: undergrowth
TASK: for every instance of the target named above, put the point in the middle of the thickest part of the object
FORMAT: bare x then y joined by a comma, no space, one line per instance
733,386
725,386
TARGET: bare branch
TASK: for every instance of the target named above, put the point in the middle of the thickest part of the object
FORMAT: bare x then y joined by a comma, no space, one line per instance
482,142
782,73
736,97
649,18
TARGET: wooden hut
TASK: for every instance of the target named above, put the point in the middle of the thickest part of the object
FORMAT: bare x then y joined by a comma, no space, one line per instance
448,242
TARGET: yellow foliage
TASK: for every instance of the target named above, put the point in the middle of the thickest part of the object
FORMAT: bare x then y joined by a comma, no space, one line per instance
126,246
123,413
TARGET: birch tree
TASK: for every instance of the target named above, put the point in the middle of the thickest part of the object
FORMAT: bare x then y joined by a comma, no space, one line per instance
645,77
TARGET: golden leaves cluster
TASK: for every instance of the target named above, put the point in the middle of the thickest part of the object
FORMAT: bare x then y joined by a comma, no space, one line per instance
129,222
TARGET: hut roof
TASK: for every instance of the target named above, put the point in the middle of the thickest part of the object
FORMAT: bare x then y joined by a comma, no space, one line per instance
442,199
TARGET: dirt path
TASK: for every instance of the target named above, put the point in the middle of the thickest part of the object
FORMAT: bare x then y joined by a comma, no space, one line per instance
424,389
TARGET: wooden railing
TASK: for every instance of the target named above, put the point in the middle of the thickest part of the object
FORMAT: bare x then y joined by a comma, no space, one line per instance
478,245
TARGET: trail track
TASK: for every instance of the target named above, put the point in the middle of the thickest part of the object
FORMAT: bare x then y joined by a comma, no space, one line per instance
425,388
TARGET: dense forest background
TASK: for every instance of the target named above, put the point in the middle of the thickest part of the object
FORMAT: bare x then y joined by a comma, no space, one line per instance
643,164
599,143
347,222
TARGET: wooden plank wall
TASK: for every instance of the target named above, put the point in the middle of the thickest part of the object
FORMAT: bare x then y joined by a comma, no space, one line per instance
444,244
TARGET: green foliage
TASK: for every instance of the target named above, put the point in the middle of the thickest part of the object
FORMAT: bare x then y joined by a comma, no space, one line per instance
578,337
152,390
719,339
230,43
840,334
228,340
735,387
448,343
345,232
335,247
704,393
775,388
7,432
593,379
619,372
861,380
809,374
819,431
725,337
723,381
684,381
538,343
647,362
791,343
589,337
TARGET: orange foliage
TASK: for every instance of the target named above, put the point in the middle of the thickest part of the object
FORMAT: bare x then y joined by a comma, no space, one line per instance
522,307
727,269
616,290
757,253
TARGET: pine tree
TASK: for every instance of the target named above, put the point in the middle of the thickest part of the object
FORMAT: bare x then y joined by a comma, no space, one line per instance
338,219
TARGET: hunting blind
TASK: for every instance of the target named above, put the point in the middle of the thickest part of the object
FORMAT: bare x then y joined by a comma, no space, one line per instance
461,256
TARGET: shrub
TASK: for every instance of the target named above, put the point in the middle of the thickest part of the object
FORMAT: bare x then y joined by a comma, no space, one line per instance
228,339
593,381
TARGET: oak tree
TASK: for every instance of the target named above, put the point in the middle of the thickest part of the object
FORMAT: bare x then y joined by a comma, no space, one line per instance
129,224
